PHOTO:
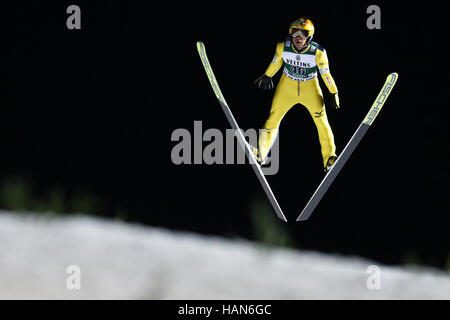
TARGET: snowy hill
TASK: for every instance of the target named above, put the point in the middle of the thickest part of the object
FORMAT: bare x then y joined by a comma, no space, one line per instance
125,261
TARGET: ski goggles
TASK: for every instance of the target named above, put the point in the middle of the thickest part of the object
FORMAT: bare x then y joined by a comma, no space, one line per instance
302,33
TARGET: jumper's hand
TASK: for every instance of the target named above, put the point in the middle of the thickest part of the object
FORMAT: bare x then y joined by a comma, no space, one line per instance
264,82
334,101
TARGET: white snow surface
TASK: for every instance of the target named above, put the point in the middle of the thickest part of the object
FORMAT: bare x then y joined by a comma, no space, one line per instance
118,260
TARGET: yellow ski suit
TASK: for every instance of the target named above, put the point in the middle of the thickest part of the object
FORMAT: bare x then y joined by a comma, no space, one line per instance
299,84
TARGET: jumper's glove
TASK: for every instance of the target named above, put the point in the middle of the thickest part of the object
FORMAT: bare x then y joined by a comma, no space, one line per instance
264,82
334,101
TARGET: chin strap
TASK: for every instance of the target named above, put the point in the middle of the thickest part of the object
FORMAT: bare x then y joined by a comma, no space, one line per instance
307,43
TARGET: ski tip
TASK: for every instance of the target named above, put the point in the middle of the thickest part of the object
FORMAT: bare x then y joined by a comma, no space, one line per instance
300,219
200,44
394,74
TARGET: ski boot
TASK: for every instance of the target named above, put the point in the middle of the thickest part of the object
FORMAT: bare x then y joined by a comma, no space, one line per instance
330,163
257,155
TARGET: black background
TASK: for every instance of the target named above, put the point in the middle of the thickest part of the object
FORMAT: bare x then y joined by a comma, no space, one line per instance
94,110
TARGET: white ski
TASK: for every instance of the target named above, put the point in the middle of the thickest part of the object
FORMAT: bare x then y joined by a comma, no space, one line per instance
239,135
349,148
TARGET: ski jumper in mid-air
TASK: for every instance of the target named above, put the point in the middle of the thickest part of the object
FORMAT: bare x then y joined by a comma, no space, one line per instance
302,59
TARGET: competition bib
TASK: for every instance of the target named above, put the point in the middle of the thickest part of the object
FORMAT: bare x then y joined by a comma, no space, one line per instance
300,66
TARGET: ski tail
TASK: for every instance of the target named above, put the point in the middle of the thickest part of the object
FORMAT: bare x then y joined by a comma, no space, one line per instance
349,148
238,132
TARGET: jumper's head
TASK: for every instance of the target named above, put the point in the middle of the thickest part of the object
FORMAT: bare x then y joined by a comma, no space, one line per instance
301,32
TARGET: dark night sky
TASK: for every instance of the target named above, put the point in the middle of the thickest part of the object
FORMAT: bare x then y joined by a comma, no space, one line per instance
94,110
